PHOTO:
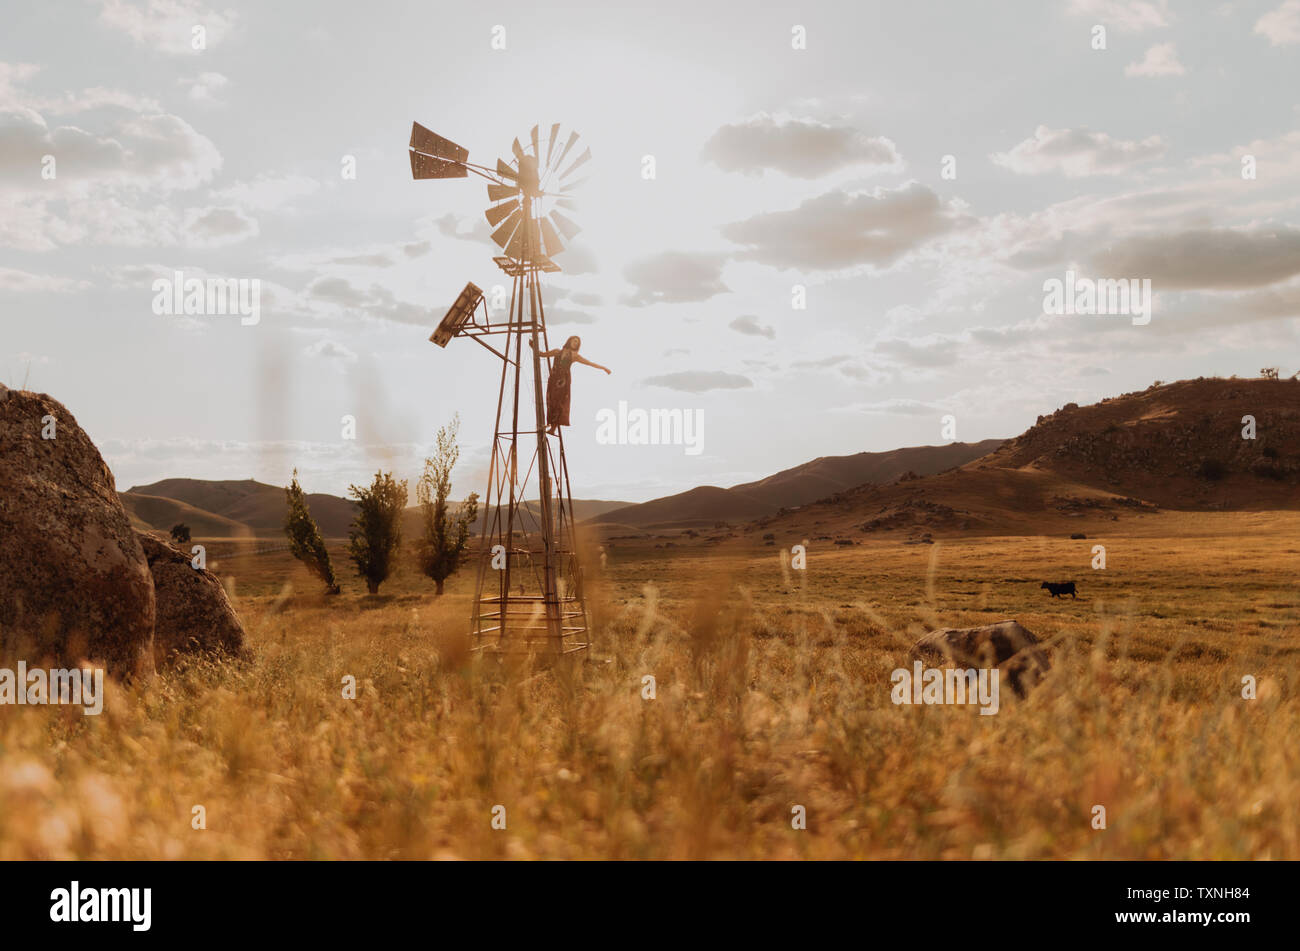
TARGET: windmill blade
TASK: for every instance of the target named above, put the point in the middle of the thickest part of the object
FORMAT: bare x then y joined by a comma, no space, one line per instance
536,154
574,186
502,235
550,147
518,150
573,138
566,225
553,243
430,143
581,160
569,203
497,212
528,230
426,166
498,192
505,171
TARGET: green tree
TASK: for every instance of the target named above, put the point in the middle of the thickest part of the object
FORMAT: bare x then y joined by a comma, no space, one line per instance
305,542
442,549
376,532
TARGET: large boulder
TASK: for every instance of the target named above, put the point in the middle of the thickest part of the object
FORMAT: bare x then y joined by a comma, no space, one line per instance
1013,649
194,614
74,583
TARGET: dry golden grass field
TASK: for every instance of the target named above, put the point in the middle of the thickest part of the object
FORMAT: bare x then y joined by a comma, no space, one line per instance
772,690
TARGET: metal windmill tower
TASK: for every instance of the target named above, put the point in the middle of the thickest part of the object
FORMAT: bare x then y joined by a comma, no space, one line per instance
528,596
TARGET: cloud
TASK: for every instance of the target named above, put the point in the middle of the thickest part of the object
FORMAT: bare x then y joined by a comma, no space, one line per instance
378,259
24,281
840,229
331,350
577,259
1281,26
1132,16
161,152
862,374
823,362
268,191
564,315
206,87
1077,153
451,226
675,277
802,148
107,186
1160,60
932,351
165,25
416,249
897,406
748,324
376,302
584,299
1211,258
699,381
209,227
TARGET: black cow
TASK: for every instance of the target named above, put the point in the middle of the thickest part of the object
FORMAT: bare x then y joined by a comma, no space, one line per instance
1064,587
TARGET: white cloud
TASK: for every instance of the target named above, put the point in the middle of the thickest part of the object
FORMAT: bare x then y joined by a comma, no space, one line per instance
675,277
12,279
803,148
268,191
699,381
1281,26
1133,16
1160,60
842,229
206,87
896,406
161,152
166,25
331,350
1077,153
748,324
209,227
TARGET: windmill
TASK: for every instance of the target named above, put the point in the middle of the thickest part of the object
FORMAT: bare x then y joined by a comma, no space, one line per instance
528,593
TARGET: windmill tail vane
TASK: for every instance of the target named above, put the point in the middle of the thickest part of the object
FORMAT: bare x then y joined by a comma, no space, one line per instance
528,593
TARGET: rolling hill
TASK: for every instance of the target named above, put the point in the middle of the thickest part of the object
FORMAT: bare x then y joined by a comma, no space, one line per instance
233,508
797,486
1172,446
248,508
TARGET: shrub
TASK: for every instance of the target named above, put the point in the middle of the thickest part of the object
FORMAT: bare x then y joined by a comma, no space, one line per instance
376,532
305,542
446,538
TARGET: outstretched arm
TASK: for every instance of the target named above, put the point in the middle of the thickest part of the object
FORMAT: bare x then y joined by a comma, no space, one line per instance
581,359
544,353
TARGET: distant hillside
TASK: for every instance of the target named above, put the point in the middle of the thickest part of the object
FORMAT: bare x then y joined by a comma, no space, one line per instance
156,512
231,509
252,507
1175,446
1179,445
797,486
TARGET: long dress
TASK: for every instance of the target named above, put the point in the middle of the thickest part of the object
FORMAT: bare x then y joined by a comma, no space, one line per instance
557,390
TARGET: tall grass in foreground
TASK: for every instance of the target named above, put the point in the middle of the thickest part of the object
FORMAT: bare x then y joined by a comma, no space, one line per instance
770,693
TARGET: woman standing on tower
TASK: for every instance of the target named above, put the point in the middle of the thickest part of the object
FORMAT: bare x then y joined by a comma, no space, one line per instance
557,385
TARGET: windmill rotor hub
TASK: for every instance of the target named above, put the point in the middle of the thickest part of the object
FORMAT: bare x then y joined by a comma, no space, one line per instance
528,177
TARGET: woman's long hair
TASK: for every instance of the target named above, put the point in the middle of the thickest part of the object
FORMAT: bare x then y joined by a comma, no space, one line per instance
573,343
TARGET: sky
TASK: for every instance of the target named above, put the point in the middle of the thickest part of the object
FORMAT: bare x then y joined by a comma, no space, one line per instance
823,227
